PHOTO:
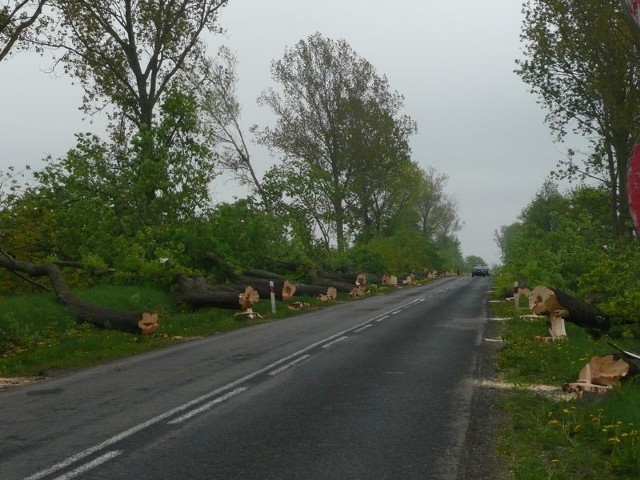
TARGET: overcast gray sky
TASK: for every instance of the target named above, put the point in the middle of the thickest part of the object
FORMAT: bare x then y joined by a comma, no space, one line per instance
452,61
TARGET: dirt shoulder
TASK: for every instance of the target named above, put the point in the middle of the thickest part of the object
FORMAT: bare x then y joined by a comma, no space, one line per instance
479,459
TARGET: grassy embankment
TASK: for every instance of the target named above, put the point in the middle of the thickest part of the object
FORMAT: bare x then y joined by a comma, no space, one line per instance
543,437
37,336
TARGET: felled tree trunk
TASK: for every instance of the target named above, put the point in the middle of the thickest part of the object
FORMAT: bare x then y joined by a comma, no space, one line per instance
258,279
552,302
583,314
133,322
341,286
197,293
310,290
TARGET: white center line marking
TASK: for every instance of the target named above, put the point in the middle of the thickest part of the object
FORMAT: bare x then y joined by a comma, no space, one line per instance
288,365
330,344
90,465
382,318
208,405
362,328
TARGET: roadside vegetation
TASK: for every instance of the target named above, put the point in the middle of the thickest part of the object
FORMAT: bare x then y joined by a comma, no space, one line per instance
548,436
39,338
579,240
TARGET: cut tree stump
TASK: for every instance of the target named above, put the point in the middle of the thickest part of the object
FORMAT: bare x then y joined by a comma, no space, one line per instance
556,324
604,370
330,296
248,298
357,292
390,280
599,375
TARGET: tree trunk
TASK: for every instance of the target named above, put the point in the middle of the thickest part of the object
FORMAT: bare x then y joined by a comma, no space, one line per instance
548,301
103,317
197,293
583,314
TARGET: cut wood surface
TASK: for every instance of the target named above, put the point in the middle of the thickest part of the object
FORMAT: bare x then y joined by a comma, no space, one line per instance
604,370
390,280
247,298
556,324
288,290
330,296
357,292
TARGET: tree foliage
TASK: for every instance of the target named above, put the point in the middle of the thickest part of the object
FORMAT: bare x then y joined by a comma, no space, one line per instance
100,191
127,54
338,126
17,19
566,241
581,60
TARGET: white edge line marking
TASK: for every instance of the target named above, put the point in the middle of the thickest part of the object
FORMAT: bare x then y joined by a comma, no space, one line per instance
208,405
89,466
288,365
362,328
152,421
330,344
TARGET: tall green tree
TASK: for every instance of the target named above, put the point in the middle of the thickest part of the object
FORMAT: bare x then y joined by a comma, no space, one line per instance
337,123
581,60
128,53
437,210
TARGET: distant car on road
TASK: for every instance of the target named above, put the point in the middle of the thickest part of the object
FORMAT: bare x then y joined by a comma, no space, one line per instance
480,271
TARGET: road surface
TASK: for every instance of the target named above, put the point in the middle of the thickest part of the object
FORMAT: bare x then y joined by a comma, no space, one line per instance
378,388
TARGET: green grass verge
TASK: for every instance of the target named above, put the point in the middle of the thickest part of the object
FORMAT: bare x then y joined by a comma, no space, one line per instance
37,336
596,437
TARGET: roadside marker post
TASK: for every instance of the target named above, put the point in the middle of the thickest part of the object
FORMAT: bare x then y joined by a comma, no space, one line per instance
273,296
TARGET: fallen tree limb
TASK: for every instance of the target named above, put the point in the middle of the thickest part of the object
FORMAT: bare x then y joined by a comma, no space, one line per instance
133,322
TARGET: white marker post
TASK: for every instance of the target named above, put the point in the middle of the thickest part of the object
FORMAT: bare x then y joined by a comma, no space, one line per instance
273,296
516,296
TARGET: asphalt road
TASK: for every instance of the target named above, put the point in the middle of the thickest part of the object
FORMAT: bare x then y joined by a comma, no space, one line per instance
378,388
